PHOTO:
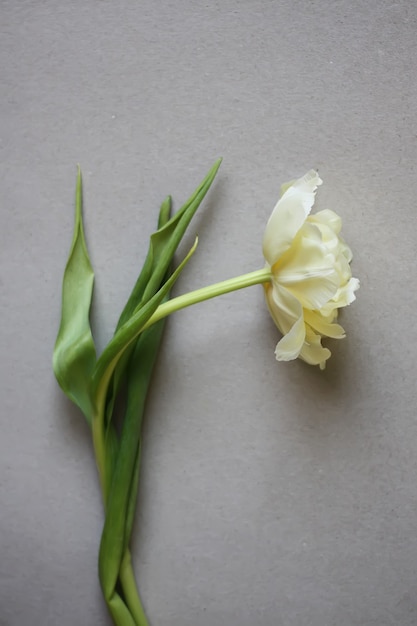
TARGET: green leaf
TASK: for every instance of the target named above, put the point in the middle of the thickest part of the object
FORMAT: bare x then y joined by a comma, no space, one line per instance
74,355
123,492
136,367
106,364
122,495
137,293
128,333
163,245
166,240
124,365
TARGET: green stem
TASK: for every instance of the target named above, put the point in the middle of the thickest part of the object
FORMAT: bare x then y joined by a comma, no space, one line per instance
163,310
100,450
129,612
133,606
119,612
130,591
212,291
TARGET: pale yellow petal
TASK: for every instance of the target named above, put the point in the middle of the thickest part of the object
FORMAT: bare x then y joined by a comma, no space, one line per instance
322,327
308,271
284,308
290,346
346,251
346,294
343,297
328,218
287,314
289,215
327,236
312,351
343,268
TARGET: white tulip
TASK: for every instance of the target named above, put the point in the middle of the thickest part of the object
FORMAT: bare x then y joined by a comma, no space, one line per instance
310,273
307,277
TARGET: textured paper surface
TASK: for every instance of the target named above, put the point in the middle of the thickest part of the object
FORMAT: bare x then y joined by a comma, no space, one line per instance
271,494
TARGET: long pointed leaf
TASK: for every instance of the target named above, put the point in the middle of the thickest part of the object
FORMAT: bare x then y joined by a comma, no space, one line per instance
74,355
163,244
136,368
122,495
135,297
146,272
105,367
166,240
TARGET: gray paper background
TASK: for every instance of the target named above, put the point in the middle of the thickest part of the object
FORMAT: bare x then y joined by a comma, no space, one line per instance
271,494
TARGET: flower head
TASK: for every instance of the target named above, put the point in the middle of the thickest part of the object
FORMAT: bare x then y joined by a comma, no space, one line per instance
310,273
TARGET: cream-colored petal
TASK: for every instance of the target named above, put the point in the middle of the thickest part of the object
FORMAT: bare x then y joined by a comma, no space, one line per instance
328,218
284,308
322,327
289,215
314,292
287,314
313,352
343,297
327,236
290,346
346,294
344,269
308,271
346,251
329,224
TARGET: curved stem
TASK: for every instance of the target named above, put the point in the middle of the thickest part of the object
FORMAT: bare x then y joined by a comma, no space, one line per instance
212,291
133,608
167,308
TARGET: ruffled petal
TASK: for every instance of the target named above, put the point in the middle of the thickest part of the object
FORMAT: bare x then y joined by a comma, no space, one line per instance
320,325
308,271
346,251
328,218
287,313
284,308
311,278
343,297
346,295
289,215
313,352
344,269
327,236
290,346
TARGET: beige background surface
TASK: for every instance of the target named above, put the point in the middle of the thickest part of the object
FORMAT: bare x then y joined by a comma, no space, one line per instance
271,494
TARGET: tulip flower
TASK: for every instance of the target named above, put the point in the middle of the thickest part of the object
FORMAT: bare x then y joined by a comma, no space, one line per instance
307,277
310,273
